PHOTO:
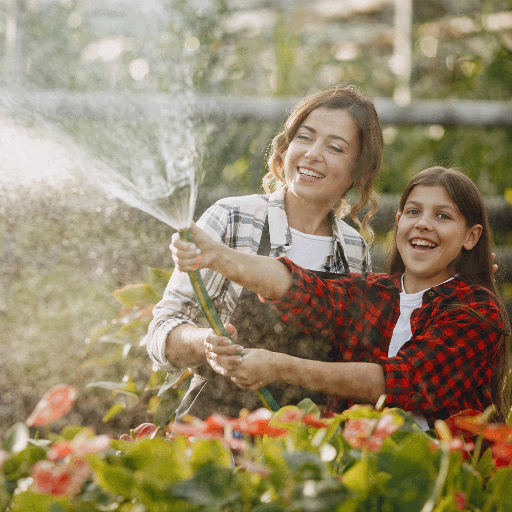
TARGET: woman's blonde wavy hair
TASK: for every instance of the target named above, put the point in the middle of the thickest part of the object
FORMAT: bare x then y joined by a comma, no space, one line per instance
362,110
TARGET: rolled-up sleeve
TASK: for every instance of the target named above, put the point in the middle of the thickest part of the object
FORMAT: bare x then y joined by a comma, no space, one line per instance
179,304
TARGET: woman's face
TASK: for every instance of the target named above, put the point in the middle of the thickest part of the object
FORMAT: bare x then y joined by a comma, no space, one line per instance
430,235
321,158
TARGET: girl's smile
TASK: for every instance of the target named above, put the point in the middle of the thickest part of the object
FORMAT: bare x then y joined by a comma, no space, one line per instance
431,233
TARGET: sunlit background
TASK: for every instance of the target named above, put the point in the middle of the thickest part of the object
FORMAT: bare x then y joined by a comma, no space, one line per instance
120,81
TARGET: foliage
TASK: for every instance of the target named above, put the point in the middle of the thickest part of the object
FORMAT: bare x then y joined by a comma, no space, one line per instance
292,460
119,346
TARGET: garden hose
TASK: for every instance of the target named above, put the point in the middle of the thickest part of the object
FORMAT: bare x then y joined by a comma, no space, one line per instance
214,320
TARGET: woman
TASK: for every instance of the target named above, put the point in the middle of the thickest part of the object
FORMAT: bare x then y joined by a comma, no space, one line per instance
430,336
331,142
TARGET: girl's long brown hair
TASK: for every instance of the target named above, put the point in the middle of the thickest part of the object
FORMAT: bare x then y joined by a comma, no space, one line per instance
473,267
363,112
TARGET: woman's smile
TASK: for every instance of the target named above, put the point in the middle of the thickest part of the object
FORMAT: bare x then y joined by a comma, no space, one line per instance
321,158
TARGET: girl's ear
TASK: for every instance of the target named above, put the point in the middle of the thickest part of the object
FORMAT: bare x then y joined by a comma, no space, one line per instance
472,236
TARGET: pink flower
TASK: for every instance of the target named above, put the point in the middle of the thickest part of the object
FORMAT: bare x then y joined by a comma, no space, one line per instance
369,432
145,430
64,479
55,403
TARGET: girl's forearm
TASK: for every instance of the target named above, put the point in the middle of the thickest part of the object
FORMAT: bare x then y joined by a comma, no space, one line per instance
260,274
361,382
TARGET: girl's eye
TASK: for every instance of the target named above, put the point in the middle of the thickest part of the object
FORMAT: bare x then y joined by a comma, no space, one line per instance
443,216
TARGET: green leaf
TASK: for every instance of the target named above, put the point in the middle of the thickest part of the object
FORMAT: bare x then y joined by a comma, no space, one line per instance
159,278
500,486
485,465
127,388
156,380
210,452
173,380
136,295
169,402
115,410
29,500
16,439
211,486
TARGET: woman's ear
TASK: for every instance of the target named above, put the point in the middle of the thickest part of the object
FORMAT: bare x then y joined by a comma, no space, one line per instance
398,215
472,236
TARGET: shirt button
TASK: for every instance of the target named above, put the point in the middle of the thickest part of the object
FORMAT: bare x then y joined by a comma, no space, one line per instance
430,294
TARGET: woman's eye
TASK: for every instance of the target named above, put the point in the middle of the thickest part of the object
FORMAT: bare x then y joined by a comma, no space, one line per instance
412,211
337,149
304,137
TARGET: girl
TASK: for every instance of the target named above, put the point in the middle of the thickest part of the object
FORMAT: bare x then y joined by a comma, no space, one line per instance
332,141
430,336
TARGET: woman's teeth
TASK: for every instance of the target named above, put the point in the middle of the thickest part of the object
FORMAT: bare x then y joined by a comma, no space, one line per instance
424,243
309,173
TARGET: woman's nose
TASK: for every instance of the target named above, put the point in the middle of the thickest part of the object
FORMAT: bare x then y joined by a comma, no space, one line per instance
314,152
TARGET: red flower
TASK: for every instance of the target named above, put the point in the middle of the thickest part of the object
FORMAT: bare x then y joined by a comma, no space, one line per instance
60,479
256,423
452,421
313,421
502,454
460,500
55,403
125,437
493,432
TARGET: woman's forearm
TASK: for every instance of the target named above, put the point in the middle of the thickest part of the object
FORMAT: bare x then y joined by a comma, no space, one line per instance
361,382
185,345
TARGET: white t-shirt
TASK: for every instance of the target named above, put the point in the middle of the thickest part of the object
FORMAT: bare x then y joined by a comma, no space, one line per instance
402,332
309,251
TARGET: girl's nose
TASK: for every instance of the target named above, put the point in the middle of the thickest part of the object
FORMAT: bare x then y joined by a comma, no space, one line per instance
423,222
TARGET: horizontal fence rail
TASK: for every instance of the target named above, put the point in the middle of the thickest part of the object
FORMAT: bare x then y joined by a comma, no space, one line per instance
122,105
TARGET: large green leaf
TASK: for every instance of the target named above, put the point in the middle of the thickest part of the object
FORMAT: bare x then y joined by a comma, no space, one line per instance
127,388
136,295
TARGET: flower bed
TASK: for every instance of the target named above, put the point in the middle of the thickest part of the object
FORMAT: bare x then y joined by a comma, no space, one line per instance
293,460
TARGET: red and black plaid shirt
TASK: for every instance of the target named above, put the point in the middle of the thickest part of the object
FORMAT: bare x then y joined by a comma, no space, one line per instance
445,367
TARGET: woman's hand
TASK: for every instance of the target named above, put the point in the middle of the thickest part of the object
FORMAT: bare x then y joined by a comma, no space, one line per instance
222,355
189,256
248,368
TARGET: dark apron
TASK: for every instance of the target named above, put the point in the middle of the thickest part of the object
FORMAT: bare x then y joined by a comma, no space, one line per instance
258,326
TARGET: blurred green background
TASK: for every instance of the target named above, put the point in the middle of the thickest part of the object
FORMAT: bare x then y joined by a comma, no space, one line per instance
65,247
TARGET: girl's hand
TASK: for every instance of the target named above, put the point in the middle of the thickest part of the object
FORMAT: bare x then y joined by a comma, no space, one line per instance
222,355
256,370
192,256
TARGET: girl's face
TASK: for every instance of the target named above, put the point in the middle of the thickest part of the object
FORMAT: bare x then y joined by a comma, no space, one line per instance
431,234
321,158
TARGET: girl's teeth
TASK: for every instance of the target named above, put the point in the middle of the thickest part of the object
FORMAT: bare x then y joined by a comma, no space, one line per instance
423,243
